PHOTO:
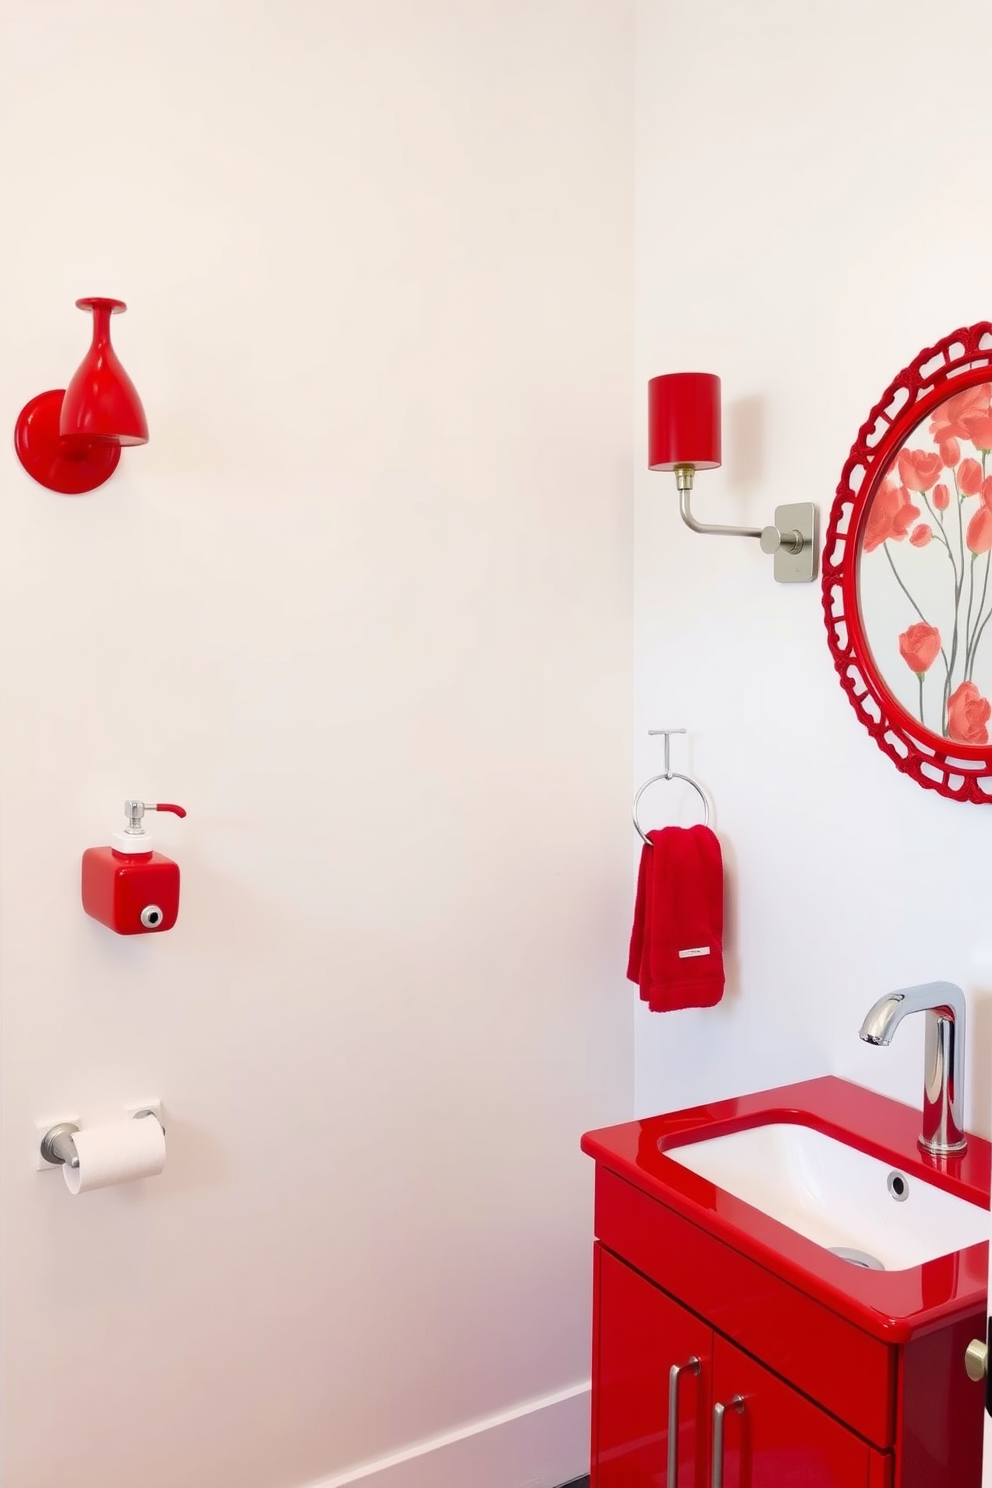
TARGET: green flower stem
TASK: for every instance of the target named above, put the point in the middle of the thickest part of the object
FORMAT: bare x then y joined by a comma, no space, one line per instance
979,626
978,632
958,587
939,531
971,649
902,586
971,600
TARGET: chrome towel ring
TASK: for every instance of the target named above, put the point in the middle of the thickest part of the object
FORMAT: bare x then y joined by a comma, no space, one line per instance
669,774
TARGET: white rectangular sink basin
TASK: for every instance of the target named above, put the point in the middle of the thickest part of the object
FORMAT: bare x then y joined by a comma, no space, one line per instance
835,1195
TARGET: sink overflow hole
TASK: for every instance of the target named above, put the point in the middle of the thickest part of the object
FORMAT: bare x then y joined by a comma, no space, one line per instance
898,1186
857,1257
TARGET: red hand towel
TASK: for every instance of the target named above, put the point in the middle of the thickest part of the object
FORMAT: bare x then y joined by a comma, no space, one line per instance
676,944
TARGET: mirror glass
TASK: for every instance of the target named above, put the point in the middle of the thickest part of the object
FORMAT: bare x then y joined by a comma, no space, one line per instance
924,556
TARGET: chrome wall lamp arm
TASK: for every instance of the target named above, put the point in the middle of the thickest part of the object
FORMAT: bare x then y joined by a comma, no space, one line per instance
683,480
792,538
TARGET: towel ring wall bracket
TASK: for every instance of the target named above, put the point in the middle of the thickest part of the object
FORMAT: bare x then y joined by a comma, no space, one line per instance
669,774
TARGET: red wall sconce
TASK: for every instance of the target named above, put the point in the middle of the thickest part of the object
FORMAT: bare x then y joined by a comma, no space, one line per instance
71,440
684,436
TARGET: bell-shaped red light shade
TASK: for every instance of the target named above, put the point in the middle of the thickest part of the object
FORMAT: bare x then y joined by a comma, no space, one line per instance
101,405
684,421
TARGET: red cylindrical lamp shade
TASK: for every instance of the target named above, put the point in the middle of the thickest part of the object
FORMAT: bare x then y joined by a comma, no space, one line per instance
684,421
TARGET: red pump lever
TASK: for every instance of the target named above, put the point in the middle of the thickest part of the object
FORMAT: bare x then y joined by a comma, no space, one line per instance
135,810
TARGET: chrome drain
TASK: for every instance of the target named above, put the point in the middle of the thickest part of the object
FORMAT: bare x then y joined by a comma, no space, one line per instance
898,1186
857,1257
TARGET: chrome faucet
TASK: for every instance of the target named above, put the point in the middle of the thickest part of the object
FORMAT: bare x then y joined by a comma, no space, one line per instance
943,1056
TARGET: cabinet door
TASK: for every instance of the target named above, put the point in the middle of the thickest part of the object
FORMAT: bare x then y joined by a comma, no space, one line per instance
780,1437
641,1335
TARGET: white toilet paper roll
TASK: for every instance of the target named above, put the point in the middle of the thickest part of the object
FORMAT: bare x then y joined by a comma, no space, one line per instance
116,1153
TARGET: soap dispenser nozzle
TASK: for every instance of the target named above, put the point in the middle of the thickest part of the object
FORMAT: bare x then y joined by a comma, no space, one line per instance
134,838
135,810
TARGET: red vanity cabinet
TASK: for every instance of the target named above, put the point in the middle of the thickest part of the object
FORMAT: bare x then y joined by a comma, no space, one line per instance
641,1334
778,1440
849,1378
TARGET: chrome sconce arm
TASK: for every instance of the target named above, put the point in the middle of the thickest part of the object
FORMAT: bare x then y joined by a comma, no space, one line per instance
792,538
684,476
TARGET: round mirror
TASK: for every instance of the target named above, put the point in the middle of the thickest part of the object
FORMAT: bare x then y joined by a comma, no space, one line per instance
907,589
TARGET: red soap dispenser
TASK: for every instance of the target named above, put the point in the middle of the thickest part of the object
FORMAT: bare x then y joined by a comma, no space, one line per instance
127,886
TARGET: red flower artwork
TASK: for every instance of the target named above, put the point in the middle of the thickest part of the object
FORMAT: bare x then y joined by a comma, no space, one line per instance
979,534
919,469
892,514
943,583
970,477
919,647
954,417
981,432
968,715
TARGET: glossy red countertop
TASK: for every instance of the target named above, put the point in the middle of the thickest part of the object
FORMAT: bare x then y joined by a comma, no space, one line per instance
892,1305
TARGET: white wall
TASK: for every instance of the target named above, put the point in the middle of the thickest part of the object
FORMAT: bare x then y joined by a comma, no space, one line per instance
812,210
363,606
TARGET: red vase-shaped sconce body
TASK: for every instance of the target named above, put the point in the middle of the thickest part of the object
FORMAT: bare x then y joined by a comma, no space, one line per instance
71,441
130,893
101,404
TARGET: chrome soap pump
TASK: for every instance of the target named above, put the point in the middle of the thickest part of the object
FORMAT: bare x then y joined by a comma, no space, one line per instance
127,886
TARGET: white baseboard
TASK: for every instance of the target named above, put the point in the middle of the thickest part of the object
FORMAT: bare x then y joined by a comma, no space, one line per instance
540,1444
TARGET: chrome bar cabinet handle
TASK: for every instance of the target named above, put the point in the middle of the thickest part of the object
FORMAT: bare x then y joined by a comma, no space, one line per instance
735,1403
674,1374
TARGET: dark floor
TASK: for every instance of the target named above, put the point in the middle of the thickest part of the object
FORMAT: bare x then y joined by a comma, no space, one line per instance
576,1483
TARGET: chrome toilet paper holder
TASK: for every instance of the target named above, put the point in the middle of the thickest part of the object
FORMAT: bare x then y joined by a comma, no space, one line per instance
57,1145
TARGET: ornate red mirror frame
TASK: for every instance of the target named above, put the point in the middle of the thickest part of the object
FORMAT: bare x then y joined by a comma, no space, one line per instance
958,764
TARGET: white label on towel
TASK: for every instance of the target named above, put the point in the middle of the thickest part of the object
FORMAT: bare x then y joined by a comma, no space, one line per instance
697,951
